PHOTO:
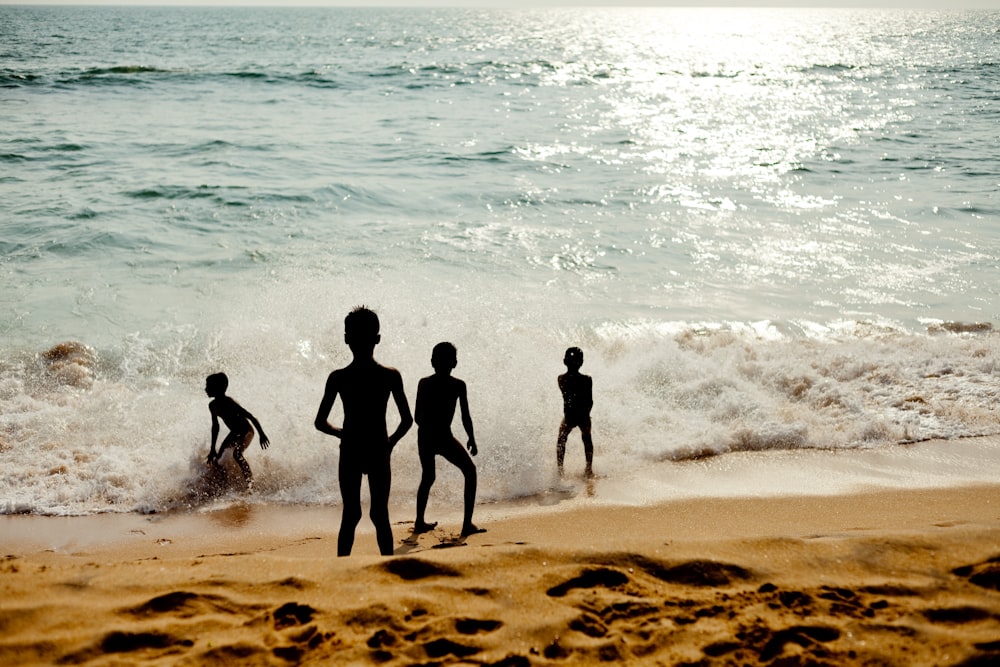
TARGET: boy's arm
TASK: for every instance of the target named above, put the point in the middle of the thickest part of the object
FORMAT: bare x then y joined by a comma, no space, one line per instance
588,398
326,405
463,403
264,442
405,418
419,409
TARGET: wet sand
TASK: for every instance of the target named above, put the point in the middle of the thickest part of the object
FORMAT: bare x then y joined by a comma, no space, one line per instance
882,576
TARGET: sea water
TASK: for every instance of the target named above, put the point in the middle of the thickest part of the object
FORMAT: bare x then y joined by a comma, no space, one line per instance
768,229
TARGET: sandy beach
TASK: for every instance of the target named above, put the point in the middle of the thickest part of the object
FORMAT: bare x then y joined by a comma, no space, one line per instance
874,577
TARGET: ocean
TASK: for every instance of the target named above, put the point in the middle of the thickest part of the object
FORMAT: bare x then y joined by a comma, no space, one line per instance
769,230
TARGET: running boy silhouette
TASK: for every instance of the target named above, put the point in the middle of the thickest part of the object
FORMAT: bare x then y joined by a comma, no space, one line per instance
364,387
436,398
578,399
237,420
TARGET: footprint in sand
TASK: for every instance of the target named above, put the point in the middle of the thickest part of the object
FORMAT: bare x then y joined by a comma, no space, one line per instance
803,635
474,626
186,604
591,578
292,613
117,642
985,574
411,569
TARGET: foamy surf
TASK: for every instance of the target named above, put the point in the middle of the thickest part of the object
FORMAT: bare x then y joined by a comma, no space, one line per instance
668,399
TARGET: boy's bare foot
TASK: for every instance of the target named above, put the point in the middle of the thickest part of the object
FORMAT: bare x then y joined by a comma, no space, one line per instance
424,527
471,529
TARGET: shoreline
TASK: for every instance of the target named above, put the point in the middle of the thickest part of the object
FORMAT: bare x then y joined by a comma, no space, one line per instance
962,463
683,520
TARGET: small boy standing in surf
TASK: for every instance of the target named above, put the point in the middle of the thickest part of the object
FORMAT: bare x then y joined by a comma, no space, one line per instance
237,419
437,396
578,399
364,387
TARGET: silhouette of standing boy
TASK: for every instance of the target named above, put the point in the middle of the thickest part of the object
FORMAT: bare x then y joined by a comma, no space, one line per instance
364,386
436,398
578,399
237,420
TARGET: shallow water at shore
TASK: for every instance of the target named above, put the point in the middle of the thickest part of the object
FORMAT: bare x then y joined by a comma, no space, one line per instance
964,463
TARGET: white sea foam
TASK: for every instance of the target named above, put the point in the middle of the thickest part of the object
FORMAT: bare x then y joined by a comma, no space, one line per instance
666,393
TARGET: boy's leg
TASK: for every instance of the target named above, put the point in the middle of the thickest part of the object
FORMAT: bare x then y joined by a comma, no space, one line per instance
239,444
349,473
564,429
588,448
226,443
427,477
379,483
457,455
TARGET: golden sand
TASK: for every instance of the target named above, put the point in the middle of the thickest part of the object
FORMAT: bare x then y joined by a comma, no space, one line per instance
880,577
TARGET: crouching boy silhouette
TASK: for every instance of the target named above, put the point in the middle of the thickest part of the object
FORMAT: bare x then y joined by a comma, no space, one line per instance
237,419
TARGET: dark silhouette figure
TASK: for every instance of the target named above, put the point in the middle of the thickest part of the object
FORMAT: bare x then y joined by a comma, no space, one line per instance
436,398
237,420
364,386
578,399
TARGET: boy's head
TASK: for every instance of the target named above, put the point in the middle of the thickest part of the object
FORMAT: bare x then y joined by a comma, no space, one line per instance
573,358
216,384
361,328
444,357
